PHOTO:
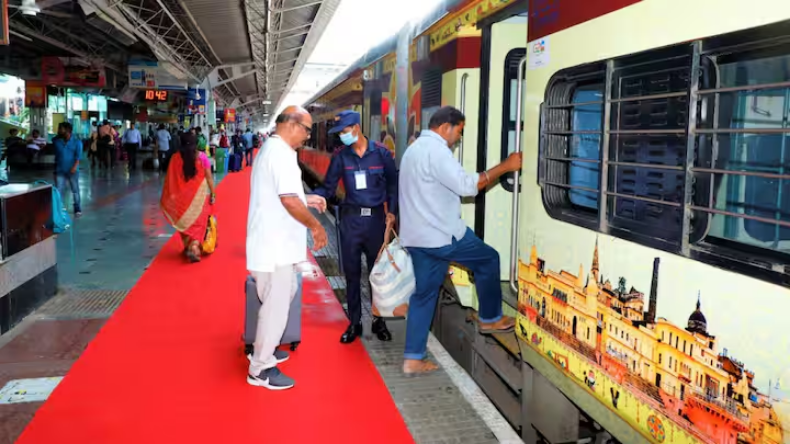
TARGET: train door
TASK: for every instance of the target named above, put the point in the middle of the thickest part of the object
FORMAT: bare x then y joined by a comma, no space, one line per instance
504,60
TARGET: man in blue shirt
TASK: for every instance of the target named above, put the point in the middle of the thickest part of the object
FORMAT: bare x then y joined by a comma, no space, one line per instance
132,141
68,151
247,137
432,183
371,180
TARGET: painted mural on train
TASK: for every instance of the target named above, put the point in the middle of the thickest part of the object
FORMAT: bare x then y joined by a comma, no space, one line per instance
673,378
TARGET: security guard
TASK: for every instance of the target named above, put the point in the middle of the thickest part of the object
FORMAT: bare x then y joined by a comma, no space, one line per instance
371,179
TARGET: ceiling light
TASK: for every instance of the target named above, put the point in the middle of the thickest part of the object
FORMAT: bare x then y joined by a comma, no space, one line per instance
29,7
267,102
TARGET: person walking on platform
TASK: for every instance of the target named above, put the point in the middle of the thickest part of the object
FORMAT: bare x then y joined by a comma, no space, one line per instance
432,183
132,141
188,196
371,180
276,241
248,140
68,150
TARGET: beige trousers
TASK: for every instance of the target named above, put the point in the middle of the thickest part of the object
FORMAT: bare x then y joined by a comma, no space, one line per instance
276,290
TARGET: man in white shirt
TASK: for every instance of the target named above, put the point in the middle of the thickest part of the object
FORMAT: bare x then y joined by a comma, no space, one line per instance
163,145
431,185
277,241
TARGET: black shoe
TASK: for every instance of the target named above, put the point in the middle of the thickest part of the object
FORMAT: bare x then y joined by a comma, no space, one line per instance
379,328
352,332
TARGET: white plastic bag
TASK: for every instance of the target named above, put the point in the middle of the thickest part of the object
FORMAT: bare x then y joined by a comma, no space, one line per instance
392,279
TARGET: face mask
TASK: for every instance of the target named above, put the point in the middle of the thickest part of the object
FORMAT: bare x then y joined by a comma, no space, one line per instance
348,138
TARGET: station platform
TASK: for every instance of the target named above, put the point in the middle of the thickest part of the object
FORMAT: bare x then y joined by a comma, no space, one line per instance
151,346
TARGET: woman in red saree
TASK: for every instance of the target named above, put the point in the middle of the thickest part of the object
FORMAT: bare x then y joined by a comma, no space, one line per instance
188,195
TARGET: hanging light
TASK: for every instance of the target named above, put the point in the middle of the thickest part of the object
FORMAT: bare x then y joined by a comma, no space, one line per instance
29,7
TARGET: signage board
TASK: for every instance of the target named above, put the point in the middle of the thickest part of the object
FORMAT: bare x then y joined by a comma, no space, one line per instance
55,73
196,101
230,115
549,16
146,74
35,94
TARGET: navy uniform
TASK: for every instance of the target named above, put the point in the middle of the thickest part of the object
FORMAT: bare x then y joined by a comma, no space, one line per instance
370,180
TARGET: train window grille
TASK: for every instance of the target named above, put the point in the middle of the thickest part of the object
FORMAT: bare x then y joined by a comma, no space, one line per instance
687,147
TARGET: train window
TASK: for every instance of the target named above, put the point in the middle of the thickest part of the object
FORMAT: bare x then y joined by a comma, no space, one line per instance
751,140
736,196
586,118
509,105
647,155
570,149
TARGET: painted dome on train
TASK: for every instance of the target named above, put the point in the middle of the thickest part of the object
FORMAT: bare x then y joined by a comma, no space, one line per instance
697,322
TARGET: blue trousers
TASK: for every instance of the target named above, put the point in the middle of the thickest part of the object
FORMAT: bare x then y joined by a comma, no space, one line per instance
430,270
359,235
73,181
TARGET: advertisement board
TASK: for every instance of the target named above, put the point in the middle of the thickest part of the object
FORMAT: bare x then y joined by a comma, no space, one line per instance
55,73
196,101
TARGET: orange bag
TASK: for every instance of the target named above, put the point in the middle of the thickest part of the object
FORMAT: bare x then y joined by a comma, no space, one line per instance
210,243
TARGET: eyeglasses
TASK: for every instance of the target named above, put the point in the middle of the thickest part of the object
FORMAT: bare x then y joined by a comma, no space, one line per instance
308,129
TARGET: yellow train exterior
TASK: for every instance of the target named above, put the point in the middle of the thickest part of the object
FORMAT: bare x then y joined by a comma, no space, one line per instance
652,219
705,359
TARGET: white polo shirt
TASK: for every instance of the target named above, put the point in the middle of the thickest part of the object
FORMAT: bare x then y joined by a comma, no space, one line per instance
274,237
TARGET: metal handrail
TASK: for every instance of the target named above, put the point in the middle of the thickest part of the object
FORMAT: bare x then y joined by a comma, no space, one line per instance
463,111
514,217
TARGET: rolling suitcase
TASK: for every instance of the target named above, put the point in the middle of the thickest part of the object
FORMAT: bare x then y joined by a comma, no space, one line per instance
234,162
293,329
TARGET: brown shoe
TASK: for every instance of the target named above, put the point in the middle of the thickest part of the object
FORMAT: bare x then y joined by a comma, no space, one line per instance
413,367
505,325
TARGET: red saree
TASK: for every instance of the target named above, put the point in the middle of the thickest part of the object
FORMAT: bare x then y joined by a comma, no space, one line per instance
184,203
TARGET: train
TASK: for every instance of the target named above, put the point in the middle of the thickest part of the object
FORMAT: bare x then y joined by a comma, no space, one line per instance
645,245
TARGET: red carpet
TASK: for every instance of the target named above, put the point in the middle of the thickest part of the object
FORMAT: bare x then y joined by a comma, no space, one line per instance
168,367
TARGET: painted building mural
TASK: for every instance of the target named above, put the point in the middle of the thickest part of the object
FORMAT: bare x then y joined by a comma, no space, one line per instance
672,379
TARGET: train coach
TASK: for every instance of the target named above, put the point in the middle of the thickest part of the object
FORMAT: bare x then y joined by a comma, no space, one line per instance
645,244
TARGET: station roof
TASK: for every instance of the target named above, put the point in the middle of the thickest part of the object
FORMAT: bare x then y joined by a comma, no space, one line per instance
251,50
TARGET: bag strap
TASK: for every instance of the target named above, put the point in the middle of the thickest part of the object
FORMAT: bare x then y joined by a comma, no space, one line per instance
390,230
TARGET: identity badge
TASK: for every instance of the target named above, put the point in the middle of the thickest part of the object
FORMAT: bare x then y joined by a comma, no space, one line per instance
361,180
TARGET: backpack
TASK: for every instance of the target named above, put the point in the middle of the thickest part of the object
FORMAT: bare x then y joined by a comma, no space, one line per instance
59,221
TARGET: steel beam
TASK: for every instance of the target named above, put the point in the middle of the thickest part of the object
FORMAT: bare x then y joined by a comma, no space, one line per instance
294,8
234,78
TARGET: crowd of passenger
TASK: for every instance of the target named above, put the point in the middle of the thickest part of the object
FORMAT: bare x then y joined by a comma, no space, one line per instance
106,147
422,199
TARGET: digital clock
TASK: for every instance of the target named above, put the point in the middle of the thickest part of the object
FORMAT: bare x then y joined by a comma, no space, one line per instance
155,95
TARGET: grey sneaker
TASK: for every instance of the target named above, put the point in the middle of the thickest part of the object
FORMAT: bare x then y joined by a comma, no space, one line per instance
272,379
279,355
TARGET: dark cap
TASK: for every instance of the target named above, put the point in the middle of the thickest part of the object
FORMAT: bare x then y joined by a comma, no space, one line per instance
343,120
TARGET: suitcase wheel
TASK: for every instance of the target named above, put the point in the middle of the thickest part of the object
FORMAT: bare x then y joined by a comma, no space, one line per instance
248,348
294,345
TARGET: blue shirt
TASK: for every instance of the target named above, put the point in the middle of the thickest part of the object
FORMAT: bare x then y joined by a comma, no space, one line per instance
381,177
247,140
67,153
132,136
432,183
